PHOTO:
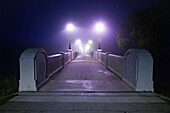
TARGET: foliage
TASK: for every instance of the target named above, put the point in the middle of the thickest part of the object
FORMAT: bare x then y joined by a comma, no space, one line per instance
149,29
123,43
6,98
144,29
123,37
8,85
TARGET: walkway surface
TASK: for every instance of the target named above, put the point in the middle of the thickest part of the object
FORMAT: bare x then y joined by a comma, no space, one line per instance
85,86
85,74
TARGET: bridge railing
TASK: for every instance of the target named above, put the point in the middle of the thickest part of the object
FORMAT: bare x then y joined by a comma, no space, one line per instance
74,55
67,57
135,67
95,53
102,57
116,64
36,68
55,63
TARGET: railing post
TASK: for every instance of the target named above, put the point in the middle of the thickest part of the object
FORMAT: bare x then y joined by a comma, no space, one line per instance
98,51
107,53
62,53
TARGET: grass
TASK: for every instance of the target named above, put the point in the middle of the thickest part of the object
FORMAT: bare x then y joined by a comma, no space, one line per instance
7,87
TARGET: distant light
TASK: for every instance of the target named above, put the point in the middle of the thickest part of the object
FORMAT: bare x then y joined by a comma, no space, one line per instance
78,42
70,27
81,49
87,46
90,42
99,27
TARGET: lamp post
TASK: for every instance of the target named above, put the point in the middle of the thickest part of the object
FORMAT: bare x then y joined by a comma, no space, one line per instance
69,40
99,28
90,42
78,43
70,27
99,40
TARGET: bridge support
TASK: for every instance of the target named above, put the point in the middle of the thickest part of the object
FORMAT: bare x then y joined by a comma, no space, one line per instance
139,69
33,69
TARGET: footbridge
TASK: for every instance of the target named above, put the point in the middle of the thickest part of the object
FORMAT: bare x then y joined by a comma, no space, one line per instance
100,82
134,69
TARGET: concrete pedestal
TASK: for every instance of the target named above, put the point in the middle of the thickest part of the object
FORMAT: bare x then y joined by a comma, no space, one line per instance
69,50
33,67
139,69
99,50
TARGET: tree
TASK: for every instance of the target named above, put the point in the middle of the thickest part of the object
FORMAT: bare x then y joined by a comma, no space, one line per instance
149,29
141,30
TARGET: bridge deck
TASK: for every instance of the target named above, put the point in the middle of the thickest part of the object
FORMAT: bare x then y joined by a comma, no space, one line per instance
85,74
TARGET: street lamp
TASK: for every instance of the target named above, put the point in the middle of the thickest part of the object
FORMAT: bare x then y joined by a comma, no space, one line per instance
99,40
90,42
70,27
78,42
87,47
69,40
99,28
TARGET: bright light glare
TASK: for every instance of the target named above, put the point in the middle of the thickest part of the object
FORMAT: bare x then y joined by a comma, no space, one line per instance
90,42
99,27
78,42
87,47
81,49
70,27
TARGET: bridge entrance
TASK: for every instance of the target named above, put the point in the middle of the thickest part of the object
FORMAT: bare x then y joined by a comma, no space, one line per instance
85,84
85,74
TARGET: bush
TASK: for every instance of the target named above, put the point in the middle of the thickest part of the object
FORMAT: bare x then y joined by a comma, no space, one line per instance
8,85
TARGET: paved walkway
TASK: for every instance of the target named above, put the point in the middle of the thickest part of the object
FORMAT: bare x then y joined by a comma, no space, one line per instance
85,74
85,86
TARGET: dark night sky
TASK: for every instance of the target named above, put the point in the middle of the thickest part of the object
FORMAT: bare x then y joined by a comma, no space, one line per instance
42,22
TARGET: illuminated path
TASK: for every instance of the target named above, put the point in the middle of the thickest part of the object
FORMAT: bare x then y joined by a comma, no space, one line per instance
85,74
85,86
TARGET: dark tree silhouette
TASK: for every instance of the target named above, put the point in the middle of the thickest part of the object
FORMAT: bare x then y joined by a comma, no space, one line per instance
141,29
149,29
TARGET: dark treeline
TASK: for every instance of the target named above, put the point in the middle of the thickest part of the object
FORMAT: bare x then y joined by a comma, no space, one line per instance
149,29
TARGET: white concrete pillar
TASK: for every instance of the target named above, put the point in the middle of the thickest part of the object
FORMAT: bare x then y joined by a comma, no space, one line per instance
29,72
139,69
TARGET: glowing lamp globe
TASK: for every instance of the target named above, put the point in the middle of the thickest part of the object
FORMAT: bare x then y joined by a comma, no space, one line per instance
99,27
78,42
90,42
70,27
87,46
